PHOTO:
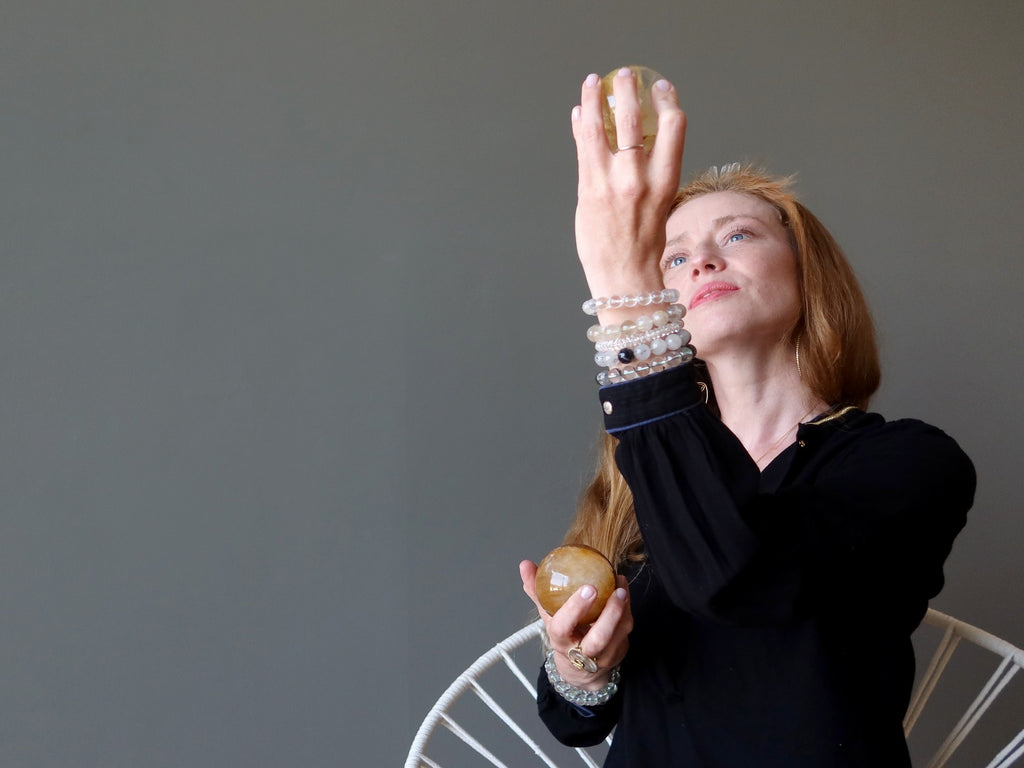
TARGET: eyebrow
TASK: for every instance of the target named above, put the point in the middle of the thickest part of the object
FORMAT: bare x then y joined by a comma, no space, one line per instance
716,223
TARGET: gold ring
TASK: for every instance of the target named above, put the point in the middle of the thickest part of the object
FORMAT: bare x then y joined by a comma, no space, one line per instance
581,661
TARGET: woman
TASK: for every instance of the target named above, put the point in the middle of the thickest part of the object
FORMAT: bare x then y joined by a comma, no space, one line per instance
777,544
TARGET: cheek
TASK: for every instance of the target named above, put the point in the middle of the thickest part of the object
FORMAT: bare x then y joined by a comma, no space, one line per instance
793,281
780,274
673,278
787,297
780,289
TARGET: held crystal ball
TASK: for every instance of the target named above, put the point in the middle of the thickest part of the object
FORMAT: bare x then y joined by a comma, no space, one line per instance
645,78
565,569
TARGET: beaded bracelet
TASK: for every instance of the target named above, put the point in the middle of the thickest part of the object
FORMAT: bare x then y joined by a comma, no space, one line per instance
638,371
641,338
664,296
642,352
580,696
642,324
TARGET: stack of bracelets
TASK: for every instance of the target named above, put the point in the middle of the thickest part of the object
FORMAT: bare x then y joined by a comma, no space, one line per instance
644,345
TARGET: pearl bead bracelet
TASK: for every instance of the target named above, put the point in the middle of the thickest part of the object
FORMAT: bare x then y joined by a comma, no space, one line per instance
664,296
638,371
658,319
639,338
642,352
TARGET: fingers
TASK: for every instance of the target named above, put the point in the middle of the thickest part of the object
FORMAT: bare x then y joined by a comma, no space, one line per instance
667,155
605,641
605,635
568,620
592,152
612,626
629,124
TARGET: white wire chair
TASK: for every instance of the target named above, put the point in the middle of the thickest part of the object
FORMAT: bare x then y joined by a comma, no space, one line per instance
1011,661
441,713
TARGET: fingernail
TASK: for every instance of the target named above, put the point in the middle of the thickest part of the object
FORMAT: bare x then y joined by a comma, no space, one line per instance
621,594
625,72
576,113
663,85
587,592
592,80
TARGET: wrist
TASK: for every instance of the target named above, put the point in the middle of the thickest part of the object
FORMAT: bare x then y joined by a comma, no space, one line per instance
577,694
609,311
586,681
632,277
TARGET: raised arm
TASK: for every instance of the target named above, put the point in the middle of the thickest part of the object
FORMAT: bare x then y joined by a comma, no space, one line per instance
624,196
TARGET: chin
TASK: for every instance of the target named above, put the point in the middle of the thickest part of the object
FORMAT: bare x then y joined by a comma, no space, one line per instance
712,342
710,338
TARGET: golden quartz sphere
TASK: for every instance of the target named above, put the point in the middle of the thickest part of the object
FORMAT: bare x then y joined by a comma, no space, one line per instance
565,569
645,78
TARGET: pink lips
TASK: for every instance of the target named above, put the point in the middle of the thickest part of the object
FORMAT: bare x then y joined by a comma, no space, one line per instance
710,292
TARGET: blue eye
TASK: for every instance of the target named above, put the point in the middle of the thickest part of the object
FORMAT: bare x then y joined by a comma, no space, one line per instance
735,236
675,261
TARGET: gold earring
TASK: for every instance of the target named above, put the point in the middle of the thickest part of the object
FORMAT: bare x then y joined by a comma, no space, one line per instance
798,371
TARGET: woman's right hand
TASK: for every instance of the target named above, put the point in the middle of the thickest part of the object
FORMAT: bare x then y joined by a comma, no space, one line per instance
606,640
624,197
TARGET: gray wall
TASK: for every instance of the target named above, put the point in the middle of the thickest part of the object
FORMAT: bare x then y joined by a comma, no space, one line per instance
294,371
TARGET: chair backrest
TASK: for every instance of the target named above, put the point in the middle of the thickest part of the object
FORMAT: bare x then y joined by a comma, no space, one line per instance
1010,660
520,737
518,651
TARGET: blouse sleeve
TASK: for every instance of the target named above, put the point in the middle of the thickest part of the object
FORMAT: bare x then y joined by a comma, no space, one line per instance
571,724
870,521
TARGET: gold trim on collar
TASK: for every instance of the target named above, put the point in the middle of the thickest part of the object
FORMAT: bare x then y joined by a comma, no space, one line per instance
832,416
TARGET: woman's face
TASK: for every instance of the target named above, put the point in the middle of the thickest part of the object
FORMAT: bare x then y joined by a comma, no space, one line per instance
730,258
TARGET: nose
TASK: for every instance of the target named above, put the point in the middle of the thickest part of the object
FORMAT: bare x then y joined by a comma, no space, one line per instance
705,258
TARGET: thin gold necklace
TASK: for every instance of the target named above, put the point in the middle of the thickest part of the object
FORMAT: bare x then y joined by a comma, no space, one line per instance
782,437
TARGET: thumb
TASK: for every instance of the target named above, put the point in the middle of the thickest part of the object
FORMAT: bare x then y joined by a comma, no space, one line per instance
528,573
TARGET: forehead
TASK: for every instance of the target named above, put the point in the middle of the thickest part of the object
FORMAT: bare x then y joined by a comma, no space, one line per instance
707,211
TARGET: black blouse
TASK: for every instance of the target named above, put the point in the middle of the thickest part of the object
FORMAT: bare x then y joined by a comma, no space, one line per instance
773,614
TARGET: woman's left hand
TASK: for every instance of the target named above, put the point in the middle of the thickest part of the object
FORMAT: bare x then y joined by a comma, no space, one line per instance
624,197
606,640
